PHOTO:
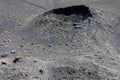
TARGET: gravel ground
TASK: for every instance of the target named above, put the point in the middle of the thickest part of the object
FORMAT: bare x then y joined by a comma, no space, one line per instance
39,41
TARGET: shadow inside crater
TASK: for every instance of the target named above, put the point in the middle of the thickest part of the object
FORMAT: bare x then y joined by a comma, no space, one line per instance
82,10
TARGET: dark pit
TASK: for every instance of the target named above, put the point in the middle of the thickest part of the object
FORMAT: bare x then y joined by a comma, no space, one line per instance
82,10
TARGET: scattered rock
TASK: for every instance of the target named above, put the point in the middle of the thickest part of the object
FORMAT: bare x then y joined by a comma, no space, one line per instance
13,51
50,45
32,43
22,36
21,46
4,55
16,60
41,71
3,63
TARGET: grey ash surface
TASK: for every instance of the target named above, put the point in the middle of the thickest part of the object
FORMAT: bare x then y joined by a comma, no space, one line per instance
77,42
